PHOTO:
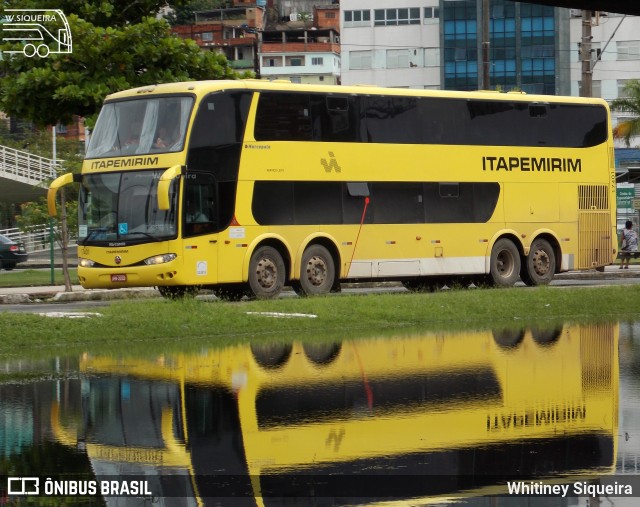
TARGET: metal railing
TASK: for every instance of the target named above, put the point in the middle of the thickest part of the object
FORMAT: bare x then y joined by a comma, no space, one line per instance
25,167
35,240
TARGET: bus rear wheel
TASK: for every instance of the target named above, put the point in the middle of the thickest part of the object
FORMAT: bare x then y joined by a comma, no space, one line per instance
539,265
505,263
317,272
266,273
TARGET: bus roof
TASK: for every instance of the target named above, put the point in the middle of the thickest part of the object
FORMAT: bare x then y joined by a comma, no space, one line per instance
203,87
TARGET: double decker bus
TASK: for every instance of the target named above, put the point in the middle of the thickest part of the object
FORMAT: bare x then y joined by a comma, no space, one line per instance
420,419
245,187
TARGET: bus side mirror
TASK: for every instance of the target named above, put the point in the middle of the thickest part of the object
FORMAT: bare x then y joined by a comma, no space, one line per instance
163,186
60,181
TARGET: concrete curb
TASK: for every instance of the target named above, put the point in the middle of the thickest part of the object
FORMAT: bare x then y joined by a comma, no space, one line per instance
105,295
36,295
14,299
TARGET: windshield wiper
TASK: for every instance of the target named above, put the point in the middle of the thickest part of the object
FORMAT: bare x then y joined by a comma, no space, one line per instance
146,234
92,232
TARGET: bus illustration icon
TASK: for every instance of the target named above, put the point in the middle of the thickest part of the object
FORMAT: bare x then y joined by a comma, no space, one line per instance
41,31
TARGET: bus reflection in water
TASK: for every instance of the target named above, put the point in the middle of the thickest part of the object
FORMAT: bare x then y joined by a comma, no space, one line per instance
410,417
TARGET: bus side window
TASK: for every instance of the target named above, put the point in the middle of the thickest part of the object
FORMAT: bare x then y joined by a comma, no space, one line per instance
339,119
283,117
200,209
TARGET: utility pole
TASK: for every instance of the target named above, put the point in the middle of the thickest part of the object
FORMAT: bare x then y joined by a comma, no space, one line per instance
486,43
585,54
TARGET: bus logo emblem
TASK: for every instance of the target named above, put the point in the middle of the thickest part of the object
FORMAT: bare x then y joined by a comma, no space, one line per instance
40,31
332,163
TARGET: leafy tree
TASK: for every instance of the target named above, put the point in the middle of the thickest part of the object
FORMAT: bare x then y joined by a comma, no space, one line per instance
629,128
116,45
104,60
34,214
103,13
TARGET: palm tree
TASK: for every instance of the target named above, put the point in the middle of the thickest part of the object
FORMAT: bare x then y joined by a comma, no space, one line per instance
631,104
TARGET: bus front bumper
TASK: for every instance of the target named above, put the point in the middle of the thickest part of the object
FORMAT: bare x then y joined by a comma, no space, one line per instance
167,274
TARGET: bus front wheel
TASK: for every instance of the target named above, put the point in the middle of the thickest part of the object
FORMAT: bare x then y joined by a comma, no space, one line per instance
539,265
317,272
505,263
266,273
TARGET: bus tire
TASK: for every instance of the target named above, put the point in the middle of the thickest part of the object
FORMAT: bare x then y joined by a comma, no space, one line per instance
540,265
321,353
317,271
546,337
505,263
271,355
508,338
266,273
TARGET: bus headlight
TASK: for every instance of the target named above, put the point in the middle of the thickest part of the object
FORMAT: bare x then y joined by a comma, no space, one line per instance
159,259
85,263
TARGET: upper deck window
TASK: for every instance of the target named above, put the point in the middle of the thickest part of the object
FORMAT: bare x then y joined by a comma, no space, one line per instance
141,126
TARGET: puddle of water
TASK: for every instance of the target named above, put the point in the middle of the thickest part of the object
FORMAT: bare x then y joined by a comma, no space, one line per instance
408,420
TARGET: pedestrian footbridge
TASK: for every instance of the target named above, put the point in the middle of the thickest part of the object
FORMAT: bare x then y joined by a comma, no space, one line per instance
23,176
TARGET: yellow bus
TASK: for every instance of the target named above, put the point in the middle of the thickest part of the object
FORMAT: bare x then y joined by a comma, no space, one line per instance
244,187
429,416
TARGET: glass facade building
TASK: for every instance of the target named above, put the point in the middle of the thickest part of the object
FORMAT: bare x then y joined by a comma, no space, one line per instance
524,45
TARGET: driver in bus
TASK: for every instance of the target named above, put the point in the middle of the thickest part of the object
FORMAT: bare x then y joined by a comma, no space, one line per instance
194,214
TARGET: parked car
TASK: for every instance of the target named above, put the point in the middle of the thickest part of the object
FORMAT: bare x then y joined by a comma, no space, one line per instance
11,253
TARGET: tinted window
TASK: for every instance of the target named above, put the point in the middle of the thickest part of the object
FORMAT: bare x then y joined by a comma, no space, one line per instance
306,117
200,205
427,120
317,203
393,120
397,203
215,146
283,117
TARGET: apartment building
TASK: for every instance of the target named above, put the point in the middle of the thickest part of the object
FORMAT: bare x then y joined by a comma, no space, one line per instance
300,45
437,44
285,39
392,46
233,31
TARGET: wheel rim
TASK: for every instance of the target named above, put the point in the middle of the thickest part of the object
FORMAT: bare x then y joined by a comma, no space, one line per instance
317,271
505,263
267,273
541,262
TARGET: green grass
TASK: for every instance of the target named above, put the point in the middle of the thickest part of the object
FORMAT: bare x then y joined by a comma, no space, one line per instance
35,277
147,325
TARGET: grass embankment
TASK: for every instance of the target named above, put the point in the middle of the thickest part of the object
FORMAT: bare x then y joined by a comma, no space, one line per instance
34,277
149,325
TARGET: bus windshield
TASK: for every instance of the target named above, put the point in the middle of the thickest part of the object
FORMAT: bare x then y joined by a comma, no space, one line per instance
136,127
123,207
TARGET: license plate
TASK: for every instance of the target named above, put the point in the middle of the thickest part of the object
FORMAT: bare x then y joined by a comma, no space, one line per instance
119,278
